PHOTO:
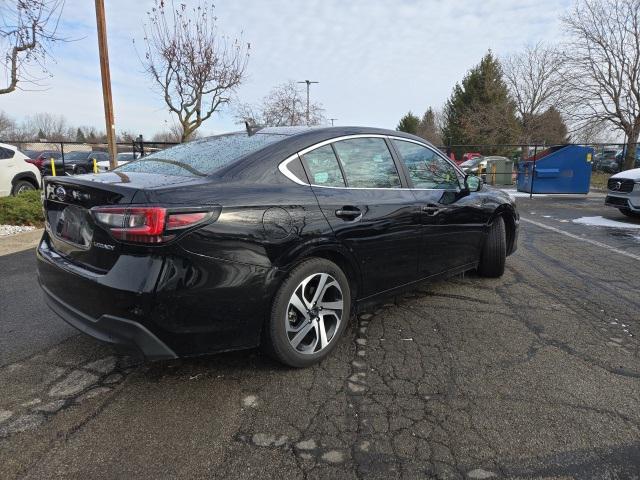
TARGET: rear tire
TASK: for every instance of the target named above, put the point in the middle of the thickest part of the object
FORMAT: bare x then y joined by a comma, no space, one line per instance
303,335
629,213
22,186
494,252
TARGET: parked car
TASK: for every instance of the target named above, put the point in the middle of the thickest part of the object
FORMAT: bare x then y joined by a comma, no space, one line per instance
606,162
40,158
620,158
271,238
121,159
78,163
16,174
474,166
623,192
470,155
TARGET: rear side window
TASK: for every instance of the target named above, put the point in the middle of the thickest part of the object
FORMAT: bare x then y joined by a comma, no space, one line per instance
426,168
367,163
201,157
5,153
323,167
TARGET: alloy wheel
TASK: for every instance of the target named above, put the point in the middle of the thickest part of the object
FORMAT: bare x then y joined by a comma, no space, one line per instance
24,188
314,313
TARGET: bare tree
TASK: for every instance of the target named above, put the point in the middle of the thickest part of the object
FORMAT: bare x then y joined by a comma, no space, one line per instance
172,134
602,66
7,126
165,136
597,131
285,105
533,78
49,127
28,28
195,68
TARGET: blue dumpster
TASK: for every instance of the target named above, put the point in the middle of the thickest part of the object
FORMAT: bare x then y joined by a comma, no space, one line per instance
561,169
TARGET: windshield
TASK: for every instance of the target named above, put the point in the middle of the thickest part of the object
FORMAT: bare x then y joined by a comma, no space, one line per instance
201,157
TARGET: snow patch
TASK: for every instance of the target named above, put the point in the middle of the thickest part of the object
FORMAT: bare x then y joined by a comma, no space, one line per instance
605,222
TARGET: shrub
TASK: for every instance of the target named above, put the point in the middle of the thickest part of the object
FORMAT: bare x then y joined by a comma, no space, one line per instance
23,209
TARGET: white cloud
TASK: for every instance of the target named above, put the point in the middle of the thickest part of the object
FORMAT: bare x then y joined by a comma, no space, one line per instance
374,59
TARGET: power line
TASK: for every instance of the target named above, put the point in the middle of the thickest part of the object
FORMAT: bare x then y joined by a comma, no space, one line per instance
308,82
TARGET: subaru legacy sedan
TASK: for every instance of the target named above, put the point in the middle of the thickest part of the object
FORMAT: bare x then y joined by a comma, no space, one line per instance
270,238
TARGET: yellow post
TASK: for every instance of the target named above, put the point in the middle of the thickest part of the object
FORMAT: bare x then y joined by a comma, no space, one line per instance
95,166
53,167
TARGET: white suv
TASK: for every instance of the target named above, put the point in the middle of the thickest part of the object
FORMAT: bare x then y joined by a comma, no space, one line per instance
16,175
624,192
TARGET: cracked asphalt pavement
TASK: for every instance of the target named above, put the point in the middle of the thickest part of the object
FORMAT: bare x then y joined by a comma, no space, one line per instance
533,375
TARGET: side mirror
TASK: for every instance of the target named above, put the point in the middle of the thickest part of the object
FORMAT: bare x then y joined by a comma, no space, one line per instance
473,183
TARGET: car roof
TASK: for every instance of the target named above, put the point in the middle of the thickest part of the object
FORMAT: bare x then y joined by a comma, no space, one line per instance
6,145
329,132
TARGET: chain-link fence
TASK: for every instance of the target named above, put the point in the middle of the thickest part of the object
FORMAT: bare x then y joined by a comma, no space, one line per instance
74,158
498,163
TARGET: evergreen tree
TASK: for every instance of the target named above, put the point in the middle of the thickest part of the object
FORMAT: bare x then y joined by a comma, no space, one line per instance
41,135
80,136
409,123
428,127
548,127
480,110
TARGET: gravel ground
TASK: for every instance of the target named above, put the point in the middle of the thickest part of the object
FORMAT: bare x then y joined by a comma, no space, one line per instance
13,229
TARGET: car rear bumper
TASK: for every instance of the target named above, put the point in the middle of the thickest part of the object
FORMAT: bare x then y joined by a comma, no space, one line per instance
168,305
110,329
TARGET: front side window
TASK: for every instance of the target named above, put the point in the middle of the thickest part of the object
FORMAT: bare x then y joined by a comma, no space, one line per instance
426,168
367,163
323,167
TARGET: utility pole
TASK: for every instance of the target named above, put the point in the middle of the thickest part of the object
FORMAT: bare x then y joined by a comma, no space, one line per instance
106,83
308,82
332,119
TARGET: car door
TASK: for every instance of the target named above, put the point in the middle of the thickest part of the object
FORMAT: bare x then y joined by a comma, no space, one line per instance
453,221
7,170
361,194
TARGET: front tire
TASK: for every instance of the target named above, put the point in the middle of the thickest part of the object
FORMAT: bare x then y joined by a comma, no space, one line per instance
22,186
309,314
81,171
494,252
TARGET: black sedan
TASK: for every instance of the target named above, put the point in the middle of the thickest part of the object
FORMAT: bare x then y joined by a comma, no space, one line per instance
78,163
269,238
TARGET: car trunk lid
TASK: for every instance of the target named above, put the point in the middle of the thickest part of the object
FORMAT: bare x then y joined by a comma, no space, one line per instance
74,232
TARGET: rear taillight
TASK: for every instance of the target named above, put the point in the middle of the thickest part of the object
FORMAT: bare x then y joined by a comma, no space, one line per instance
147,224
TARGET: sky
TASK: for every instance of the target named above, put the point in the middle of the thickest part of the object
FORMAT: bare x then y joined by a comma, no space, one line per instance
375,60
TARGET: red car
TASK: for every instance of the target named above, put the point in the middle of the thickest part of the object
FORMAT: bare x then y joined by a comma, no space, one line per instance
469,156
41,157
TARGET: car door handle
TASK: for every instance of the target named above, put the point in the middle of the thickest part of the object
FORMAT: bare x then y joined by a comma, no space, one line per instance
431,210
348,213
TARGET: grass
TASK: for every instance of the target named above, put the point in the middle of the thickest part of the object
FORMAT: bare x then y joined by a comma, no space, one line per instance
599,180
23,209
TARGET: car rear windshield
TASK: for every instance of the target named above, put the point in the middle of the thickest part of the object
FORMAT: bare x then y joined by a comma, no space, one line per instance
201,157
